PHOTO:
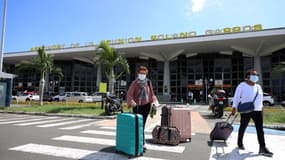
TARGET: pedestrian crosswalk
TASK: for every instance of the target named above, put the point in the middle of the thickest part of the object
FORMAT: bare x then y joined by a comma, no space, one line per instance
81,126
72,153
41,122
26,120
85,132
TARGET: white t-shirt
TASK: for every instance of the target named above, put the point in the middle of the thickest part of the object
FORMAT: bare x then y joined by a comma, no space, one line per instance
246,93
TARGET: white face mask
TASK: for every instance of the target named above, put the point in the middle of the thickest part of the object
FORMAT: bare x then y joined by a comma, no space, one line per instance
253,78
142,76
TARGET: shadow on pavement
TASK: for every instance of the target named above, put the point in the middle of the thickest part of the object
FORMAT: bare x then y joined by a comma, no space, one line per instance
211,116
235,154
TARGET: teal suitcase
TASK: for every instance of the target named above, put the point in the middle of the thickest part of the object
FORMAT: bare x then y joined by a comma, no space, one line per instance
129,134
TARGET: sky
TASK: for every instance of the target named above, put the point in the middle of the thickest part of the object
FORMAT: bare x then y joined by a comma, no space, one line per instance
31,23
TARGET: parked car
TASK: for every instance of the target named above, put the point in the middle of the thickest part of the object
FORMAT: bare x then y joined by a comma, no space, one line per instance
26,96
78,97
283,103
268,100
97,96
60,97
47,97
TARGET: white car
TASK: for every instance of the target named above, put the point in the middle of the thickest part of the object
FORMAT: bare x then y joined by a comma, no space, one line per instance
97,96
26,97
268,100
78,97
60,97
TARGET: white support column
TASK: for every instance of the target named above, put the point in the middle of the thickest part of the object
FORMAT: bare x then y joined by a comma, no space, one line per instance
166,58
166,78
99,76
257,67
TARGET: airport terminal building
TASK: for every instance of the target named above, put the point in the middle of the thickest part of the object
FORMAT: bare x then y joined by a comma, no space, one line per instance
177,63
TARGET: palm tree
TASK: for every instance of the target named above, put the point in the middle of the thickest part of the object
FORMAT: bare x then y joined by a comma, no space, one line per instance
278,70
109,59
43,63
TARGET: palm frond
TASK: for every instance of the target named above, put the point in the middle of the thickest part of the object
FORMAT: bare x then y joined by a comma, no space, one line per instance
278,70
58,72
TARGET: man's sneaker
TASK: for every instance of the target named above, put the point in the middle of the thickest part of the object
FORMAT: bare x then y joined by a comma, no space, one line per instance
240,146
265,152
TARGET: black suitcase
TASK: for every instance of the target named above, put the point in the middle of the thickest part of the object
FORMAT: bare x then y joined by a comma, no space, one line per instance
222,130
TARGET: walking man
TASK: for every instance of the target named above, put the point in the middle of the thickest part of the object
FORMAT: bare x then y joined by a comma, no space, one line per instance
246,92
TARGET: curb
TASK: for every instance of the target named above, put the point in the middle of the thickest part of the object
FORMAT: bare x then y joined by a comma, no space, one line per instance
62,115
274,126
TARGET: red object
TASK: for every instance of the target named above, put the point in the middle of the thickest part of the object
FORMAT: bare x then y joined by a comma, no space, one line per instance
221,99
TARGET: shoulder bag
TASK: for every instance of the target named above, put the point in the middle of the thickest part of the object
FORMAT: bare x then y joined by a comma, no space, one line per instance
247,106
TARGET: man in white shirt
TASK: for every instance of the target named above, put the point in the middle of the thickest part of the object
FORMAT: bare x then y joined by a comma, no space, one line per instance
246,92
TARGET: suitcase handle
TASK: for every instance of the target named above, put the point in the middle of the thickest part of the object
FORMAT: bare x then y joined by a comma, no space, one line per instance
131,110
228,119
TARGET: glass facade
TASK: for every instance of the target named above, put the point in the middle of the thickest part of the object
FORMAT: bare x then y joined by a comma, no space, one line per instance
78,76
278,83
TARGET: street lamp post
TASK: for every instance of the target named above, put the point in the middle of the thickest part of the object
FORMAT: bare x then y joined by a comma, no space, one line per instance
206,81
3,36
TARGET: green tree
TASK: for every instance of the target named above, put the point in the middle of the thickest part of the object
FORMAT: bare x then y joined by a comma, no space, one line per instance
109,59
42,63
278,70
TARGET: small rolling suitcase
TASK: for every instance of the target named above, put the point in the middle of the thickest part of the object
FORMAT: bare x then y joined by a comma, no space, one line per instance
180,117
129,134
166,135
222,130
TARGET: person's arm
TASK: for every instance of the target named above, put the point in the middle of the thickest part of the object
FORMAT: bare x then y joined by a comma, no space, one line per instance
130,95
236,99
152,95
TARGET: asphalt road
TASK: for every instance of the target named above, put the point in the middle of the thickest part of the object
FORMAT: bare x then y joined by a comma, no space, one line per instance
29,137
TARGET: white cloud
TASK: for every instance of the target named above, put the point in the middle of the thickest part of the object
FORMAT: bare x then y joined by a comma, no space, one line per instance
198,5
194,7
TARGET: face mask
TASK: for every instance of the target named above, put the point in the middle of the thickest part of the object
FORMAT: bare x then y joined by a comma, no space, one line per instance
142,77
253,78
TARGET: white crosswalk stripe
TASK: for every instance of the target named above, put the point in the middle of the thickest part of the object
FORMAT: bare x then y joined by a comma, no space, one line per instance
12,115
45,122
73,153
81,126
111,142
13,118
27,120
42,122
110,128
108,133
63,123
